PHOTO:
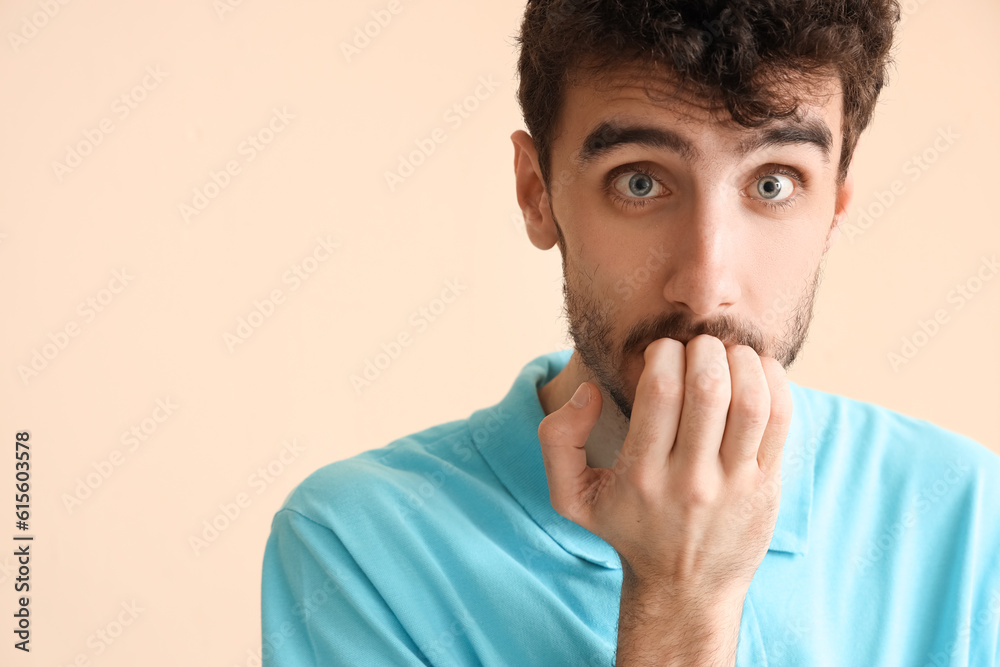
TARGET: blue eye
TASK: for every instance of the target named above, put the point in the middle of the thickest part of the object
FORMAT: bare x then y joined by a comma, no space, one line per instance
636,185
775,187
640,185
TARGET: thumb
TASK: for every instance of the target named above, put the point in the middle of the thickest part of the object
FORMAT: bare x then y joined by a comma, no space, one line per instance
563,435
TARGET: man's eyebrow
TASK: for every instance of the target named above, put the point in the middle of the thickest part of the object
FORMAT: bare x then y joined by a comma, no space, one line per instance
810,131
610,135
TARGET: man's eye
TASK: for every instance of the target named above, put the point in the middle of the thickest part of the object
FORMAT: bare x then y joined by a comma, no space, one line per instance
775,187
637,184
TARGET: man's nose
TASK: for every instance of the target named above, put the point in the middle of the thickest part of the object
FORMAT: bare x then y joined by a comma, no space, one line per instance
702,277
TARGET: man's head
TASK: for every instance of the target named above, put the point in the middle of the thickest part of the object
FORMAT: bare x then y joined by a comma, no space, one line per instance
691,161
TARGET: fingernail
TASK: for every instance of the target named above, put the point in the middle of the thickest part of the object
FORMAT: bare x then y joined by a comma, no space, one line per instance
582,396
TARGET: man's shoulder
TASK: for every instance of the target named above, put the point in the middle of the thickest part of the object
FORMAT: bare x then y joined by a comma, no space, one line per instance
384,484
879,435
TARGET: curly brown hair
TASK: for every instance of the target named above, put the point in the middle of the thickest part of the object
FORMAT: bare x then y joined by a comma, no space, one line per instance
742,54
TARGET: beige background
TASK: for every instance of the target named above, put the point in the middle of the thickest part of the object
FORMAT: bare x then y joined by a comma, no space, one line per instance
161,336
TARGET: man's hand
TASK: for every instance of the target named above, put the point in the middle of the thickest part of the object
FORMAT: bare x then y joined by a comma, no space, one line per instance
691,503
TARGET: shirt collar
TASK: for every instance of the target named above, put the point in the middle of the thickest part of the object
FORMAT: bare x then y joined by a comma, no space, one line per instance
506,434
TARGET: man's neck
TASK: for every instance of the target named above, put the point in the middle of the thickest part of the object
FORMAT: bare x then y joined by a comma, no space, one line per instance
609,433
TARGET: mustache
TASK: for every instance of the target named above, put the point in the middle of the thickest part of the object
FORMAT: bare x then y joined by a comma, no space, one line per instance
679,327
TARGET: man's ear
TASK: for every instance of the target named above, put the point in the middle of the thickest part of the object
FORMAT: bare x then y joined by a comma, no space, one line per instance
844,195
532,196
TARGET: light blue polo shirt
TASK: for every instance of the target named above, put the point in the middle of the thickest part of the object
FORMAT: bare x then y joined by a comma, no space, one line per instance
442,548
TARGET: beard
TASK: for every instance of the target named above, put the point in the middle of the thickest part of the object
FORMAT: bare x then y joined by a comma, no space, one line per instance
591,326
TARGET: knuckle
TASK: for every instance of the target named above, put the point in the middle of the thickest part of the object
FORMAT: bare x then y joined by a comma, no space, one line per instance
709,388
708,374
648,486
665,389
630,454
696,495
698,491
552,431
752,405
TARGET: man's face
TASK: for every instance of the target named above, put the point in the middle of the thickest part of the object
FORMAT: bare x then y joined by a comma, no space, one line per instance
673,221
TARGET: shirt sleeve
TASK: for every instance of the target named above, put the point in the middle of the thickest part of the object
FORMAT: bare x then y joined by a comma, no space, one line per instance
318,607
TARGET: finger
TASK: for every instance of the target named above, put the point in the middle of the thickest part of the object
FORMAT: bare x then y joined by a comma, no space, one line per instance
707,390
779,419
562,435
749,408
656,408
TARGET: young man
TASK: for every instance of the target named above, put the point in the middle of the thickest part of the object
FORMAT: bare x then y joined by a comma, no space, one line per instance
663,495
